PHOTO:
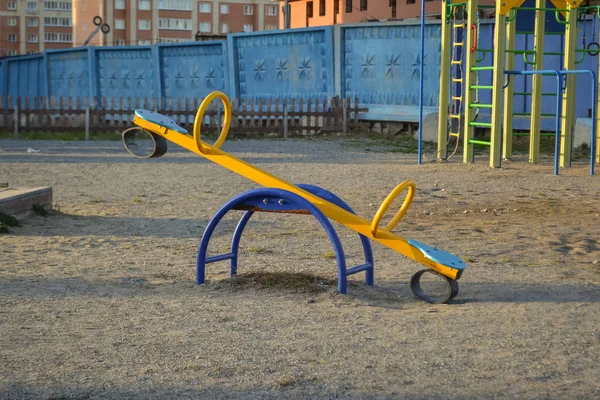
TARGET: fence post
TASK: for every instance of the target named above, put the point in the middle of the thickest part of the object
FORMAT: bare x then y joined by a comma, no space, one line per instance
16,121
285,119
345,115
87,119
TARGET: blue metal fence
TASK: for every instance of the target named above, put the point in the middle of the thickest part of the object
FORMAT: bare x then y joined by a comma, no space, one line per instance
377,62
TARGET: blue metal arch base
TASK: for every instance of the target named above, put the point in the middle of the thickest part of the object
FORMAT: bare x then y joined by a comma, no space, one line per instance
277,200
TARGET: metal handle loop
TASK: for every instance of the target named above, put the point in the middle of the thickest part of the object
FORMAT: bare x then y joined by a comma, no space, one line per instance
203,146
386,204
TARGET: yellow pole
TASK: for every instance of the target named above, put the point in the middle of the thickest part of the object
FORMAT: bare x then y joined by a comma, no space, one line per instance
444,79
536,97
497,83
511,28
469,131
569,94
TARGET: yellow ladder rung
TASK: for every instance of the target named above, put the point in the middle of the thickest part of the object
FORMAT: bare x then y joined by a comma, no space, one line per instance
454,134
460,25
456,80
455,116
459,62
456,98
458,44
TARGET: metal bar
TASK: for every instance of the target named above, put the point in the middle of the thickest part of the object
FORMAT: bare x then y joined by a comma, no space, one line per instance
479,105
360,268
487,87
482,68
507,120
421,82
497,82
480,142
481,124
470,68
568,103
444,76
220,257
536,98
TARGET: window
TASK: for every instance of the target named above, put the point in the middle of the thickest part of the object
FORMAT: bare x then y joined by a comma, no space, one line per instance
32,52
119,24
12,52
309,9
410,1
58,37
144,42
84,5
32,21
143,24
336,9
185,5
248,10
11,5
363,5
321,7
84,26
143,4
271,27
172,40
57,5
248,28
224,8
349,6
57,21
224,28
271,11
175,24
32,38
120,42
12,21
119,4
31,6
205,8
205,27
12,37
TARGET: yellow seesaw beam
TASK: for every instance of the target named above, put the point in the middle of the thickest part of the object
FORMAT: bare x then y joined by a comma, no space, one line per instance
332,211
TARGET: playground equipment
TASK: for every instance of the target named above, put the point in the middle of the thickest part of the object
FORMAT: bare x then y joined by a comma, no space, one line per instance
281,196
460,36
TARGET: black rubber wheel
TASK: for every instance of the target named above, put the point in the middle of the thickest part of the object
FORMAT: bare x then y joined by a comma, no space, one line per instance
105,28
97,20
157,146
447,293
593,46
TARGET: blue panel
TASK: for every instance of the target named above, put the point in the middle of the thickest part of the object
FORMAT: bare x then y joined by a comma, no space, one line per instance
68,73
126,72
160,119
2,79
284,64
193,70
439,256
380,66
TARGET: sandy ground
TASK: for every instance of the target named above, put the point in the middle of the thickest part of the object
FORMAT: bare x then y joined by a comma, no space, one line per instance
99,301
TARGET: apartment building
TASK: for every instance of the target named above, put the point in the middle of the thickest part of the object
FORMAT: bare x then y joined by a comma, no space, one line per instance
305,13
144,22
32,26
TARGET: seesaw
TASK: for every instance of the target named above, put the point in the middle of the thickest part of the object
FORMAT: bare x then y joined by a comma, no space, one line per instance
281,196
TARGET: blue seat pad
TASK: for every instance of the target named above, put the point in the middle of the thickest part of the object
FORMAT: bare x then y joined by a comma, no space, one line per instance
160,119
439,256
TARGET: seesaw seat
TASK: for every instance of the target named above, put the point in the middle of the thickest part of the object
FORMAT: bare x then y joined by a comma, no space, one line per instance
160,119
439,256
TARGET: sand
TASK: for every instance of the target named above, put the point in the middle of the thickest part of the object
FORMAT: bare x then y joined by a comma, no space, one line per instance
98,300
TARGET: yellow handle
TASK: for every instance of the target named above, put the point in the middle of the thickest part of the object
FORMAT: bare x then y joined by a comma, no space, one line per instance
386,204
202,146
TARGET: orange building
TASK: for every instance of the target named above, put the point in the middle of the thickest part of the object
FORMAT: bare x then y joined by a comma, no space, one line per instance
28,27
145,22
306,13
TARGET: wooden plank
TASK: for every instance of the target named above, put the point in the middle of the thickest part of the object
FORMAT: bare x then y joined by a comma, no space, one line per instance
18,202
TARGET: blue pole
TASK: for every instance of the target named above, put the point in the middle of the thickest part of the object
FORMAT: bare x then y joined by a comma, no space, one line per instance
421,67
